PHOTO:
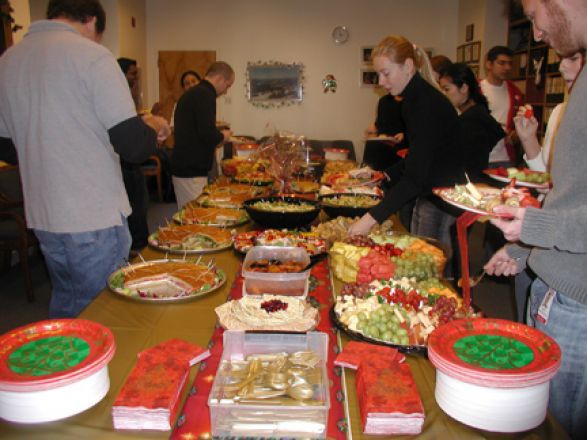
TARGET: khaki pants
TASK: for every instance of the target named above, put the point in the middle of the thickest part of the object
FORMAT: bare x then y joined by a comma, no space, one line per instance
188,188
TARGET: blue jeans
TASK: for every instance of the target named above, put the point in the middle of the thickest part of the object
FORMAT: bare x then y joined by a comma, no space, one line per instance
428,220
79,265
567,325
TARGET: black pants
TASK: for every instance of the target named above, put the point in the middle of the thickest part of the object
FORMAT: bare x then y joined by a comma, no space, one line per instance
138,196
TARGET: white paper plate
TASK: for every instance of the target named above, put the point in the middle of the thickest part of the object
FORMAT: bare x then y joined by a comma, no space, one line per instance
55,403
492,409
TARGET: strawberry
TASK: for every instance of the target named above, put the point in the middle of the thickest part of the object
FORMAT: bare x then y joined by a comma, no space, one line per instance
529,112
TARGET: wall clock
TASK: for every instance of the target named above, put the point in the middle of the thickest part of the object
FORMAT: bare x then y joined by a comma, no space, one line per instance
340,34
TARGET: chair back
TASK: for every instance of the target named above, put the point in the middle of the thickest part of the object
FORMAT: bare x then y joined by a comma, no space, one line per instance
10,186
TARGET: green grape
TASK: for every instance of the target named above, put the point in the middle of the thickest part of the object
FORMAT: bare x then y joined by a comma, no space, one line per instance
387,336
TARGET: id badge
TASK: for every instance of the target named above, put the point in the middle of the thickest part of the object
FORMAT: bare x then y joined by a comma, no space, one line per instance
545,305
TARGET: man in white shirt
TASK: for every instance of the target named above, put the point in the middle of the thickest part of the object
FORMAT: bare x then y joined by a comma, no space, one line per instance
504,99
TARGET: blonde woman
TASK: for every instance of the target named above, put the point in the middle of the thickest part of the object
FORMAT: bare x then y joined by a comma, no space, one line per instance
432,131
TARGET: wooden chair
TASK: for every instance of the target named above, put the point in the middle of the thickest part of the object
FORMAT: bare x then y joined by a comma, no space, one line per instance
152,168
14,234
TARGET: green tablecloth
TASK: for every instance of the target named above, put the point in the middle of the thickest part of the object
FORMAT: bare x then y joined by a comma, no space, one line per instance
137,326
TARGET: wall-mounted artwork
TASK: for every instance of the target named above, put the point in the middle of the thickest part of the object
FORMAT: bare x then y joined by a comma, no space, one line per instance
369,78
274,84
366,55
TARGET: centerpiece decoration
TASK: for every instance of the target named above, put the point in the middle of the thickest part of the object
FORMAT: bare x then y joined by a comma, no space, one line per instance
286,153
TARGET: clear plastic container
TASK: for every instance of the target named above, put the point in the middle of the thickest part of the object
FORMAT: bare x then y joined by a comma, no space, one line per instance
289,284
229,418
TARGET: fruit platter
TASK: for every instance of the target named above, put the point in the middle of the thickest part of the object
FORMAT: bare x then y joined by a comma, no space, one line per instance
520,176
398,312
483,199
359,259
310,241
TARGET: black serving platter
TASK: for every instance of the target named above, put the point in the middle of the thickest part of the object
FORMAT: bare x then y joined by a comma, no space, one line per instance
334,211
406,349
281,219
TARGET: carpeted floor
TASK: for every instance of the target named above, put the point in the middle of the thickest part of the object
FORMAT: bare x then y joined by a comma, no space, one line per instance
493,296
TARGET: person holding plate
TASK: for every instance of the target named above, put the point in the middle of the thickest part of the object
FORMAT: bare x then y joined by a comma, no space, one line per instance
432,131
479,130
551,240
538,158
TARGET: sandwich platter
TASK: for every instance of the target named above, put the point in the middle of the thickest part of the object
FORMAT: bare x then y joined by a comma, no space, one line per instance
160,281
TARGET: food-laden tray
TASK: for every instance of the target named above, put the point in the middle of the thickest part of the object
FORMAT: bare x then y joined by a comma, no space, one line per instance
190,239
352,178
226,217
161,281
256,178
407,349
304,186
483,199
401,313
457,196
310,241
520,176
266,313
222,200
348,205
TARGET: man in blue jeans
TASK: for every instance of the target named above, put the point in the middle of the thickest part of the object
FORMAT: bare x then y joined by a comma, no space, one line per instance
65,104
552,240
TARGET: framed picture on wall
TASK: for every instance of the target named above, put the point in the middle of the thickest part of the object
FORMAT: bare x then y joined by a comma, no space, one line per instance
274,82
366,55
369,78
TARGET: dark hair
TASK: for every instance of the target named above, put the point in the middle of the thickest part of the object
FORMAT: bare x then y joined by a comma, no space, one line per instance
186,73
125,64
496,51
220,68
80,11
440,63
459,74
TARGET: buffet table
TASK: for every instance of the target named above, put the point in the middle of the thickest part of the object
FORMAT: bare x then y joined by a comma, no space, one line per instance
137,326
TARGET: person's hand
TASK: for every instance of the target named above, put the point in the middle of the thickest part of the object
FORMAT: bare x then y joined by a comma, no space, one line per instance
227,134
501,264
362,226
159,124
397,138
156,109
371,131
511,226
362,173
526,124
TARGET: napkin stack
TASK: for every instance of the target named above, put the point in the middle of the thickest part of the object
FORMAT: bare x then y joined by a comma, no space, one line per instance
150,397
388,398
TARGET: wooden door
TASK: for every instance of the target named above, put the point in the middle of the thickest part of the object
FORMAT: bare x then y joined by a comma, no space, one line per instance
172,64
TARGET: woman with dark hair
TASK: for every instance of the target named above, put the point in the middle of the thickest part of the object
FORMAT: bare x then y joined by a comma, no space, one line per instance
189,79
479,130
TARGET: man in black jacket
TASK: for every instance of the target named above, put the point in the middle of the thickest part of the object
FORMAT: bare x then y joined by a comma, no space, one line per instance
196,135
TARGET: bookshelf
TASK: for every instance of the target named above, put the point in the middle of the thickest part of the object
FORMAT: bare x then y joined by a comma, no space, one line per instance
535,66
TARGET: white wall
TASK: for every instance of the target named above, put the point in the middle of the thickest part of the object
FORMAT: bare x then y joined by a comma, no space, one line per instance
489,18
297,31
132,40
